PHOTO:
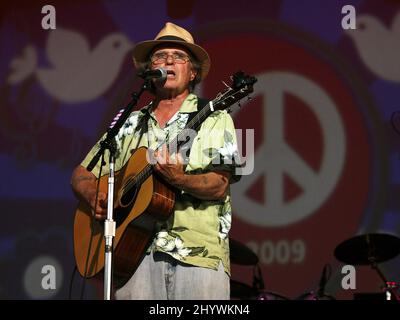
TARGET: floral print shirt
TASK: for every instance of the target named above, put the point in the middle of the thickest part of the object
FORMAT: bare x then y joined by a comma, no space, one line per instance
197,232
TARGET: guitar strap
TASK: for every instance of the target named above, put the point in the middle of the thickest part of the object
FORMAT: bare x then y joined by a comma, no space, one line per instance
201,103
143,126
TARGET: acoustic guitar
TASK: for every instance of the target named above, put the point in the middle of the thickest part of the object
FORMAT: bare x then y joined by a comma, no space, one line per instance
141,200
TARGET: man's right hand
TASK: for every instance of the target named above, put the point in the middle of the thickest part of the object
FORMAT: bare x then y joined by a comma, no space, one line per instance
101,207
84,186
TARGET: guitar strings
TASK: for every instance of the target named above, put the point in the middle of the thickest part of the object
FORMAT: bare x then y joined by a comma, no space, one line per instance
202,115
144,174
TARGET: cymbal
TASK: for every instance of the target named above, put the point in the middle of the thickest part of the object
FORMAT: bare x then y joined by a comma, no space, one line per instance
241,290
368,248
240,254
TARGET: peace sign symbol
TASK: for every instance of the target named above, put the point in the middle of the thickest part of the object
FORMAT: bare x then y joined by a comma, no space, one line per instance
276,158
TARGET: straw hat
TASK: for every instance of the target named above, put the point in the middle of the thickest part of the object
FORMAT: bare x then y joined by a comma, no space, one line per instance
171,33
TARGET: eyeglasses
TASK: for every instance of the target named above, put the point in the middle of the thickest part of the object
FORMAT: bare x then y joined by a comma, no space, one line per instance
162,57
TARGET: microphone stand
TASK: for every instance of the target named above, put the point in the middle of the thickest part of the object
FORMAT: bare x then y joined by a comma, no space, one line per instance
322,282
109,224
258,281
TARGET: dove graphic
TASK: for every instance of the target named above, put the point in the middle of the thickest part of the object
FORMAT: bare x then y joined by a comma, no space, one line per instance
78,74
378,46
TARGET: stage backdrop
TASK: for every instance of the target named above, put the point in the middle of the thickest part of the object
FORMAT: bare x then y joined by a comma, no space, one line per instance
325,157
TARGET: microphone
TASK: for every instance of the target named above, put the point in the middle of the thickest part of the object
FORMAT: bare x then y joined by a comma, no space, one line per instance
159,73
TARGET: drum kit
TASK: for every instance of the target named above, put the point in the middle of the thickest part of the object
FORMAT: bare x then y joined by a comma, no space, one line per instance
242,255
370,250
367,249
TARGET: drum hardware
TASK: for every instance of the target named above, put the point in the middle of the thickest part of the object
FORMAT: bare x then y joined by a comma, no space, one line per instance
241,254
270,295
243,291
371,249
320,294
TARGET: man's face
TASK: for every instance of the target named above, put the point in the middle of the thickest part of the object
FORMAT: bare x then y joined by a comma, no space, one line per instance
177,63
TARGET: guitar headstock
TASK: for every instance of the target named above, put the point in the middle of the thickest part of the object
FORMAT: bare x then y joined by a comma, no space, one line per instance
242,86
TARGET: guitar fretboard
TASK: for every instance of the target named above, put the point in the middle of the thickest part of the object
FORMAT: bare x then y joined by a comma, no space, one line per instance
174,145
242,88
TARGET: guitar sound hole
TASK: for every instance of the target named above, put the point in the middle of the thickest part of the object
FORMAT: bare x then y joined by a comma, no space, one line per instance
129,196
120,215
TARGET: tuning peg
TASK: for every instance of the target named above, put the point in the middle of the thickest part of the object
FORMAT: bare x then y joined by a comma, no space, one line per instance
223,82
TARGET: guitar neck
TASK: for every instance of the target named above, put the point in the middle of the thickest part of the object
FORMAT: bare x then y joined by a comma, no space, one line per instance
194,124
181,138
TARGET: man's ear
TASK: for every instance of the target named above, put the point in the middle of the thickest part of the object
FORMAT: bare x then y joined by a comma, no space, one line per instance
193,75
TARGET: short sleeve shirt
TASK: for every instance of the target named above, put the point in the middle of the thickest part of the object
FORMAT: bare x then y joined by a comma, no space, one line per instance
197,231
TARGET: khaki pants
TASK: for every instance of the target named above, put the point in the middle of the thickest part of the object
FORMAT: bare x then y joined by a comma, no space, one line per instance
161,277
